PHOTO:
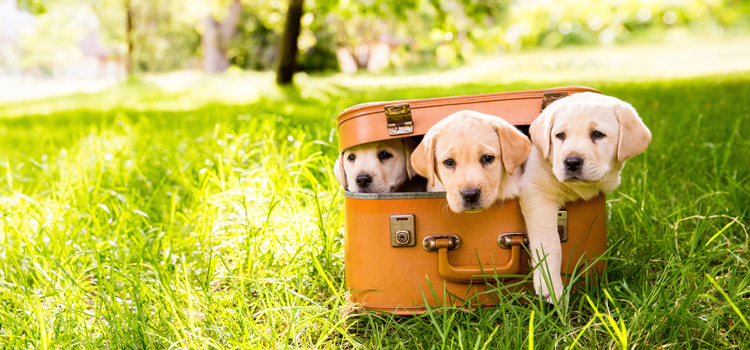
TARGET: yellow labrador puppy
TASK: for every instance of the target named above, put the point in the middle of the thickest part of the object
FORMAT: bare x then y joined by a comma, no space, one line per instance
376,167
582,142
473,157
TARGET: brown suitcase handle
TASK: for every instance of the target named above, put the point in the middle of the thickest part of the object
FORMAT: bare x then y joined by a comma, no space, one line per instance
466,274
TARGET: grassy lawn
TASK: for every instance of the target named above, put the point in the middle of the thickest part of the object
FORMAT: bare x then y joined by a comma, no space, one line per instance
142,219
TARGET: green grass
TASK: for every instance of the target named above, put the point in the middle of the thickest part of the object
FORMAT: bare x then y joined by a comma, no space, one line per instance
129,220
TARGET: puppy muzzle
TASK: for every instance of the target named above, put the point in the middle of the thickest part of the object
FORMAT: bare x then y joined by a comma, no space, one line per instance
573,168
472,200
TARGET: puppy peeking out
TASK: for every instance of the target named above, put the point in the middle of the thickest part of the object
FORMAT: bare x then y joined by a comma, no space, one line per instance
582,143
473,157
378,167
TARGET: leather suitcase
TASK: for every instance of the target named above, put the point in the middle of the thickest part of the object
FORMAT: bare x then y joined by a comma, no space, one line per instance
407,251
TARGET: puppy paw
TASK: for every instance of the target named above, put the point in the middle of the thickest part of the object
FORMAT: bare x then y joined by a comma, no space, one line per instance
548,287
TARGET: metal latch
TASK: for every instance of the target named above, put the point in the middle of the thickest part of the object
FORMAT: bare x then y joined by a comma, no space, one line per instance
552,96
562,225
402,231
429,244
505,240
399,119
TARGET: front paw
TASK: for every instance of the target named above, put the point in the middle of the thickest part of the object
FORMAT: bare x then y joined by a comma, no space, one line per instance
548,287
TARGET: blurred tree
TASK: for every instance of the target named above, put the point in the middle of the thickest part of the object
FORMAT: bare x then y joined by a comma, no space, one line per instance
152,35
53,39
118,21
129,36
344,11
321,56
217,36
415,31
257,42
35,7
289,43
255,46
167,34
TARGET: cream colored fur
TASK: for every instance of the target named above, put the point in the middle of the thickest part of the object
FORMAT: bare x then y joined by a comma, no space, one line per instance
547,184
389,174
469,139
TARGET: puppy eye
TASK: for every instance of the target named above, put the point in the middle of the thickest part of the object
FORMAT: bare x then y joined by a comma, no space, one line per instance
351,157
560,136
596,134
384,155
487,159
449,163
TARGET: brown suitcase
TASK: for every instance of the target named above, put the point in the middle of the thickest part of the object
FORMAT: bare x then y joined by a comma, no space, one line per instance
405,251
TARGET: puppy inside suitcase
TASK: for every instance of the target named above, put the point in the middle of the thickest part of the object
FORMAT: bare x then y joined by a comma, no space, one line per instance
378,167
582,142
473,157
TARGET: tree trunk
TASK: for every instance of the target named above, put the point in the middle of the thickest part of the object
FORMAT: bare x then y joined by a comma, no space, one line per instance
129,40
214,57
216,37
289,48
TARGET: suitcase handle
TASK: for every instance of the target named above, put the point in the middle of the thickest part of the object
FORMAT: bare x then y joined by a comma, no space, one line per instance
469,273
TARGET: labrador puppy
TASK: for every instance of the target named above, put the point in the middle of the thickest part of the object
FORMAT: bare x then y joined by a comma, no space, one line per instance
377,167
474,158
582,143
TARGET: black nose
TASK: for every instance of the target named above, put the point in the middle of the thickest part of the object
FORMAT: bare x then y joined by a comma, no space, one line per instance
364,180
471,195
573,163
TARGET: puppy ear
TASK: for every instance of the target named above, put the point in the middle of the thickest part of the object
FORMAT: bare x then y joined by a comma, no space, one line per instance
339,172
515,146
409,146
423,158
634,135
541,130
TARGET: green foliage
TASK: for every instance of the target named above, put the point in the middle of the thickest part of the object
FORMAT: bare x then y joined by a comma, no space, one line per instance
166,40
257,41
591,21
53,39
165,220
419,32
255,46
36,7
452,32
165,37
322,55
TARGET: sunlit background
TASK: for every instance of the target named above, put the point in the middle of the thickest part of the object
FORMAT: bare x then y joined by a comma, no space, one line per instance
162,186
57,47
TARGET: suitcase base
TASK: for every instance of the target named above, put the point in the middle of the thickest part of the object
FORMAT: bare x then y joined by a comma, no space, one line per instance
385,276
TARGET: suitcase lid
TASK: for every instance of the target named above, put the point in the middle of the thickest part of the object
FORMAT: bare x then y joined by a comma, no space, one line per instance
376,121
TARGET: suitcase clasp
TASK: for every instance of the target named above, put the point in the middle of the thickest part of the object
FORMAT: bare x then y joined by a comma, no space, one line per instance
399,119
552,96
402,231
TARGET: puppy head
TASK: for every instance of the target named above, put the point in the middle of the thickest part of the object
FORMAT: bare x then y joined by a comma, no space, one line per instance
376,167
588,136
470,153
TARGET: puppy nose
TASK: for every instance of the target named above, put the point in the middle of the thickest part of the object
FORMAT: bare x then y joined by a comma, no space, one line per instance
573,163
364,180
471,195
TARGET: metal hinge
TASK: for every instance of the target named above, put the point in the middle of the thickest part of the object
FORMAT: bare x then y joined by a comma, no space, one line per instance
402,231
429,244
399,119
552,96
505,240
